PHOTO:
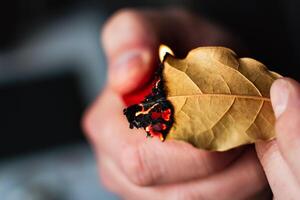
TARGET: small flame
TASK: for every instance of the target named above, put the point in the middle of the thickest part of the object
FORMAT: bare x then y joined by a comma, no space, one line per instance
163,49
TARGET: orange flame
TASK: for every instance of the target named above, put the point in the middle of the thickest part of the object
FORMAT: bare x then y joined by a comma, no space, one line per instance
163,49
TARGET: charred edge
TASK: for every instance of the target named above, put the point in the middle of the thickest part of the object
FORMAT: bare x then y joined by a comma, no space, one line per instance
155,114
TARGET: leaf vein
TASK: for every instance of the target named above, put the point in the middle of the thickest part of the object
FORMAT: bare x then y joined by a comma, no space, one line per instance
225,112
253,121
259,98
239,72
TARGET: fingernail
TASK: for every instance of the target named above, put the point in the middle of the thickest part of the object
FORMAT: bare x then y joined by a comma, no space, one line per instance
126,70
279,96
131,59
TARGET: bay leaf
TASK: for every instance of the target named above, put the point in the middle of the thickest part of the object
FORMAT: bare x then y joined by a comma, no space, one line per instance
220,101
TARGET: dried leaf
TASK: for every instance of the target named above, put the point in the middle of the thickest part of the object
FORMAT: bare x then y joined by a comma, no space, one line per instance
220,101
211,99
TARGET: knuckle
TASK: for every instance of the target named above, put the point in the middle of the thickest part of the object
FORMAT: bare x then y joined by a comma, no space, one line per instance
268,152
280,125
136,167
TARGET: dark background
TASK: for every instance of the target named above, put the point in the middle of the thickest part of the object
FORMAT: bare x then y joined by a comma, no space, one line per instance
43,92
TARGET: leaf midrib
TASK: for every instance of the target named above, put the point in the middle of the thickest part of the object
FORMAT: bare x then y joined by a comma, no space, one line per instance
224,95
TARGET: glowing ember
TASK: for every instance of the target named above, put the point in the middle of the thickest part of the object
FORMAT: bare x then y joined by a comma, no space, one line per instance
153,133
143,111
166,115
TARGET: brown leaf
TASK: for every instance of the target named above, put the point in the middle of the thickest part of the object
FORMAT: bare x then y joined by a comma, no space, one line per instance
220,101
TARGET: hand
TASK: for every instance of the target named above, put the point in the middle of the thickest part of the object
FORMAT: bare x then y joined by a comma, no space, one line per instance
139,168
280,157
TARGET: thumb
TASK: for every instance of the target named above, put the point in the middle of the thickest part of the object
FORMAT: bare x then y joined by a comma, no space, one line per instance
279,157
131,39
129,43
285,95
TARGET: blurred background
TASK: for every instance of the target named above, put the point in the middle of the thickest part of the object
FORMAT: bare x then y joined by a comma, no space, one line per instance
52,67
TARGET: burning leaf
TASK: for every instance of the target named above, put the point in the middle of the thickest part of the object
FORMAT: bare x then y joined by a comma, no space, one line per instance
220,101
216,101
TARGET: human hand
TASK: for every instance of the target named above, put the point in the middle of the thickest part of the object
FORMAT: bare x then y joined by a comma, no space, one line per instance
280,157
138,168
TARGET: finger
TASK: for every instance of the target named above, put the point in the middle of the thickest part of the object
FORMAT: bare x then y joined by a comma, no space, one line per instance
280,177
146,161
153,162
119,184
106,126
131,37
129,43
243,179
285,95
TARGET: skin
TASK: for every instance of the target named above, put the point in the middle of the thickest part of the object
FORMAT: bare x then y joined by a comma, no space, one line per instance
280,157
139,168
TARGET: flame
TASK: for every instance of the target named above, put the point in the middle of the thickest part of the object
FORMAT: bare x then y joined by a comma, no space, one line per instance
163,49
